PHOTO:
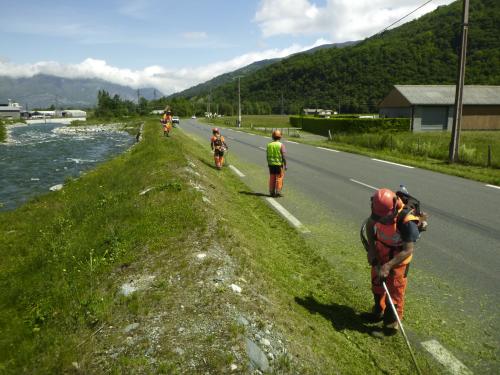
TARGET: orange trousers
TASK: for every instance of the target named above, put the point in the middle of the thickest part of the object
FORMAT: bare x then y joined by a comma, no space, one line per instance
396,283
276,176
219,160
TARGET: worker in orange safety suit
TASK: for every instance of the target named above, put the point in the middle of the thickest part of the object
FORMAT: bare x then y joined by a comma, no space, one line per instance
166,120
276,162
219,147
391,230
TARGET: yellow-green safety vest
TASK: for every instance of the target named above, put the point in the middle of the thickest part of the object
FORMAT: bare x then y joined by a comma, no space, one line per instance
274,156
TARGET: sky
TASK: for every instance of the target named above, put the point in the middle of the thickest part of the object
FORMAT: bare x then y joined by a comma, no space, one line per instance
173,45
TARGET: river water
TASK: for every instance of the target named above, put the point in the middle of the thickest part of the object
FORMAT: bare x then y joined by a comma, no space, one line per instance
37,157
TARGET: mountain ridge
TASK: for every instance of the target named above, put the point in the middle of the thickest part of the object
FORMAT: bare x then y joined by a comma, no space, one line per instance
42,91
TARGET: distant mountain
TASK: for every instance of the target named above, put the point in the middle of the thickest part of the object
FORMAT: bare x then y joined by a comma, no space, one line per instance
205,87
355,78
42,91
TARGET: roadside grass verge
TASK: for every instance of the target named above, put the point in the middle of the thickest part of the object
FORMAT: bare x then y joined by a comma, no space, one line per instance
266,121
432,154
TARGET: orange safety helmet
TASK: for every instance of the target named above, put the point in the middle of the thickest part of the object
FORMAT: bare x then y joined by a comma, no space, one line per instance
276,134
385,204
215,130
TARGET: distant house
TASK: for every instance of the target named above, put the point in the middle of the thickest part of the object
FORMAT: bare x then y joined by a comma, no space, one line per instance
74,113
431,107
318,112
10,110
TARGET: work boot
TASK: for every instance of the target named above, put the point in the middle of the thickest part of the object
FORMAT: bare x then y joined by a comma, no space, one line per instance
390,329
390,321
375,316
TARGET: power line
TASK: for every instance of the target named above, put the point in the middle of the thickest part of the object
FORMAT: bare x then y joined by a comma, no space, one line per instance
402,18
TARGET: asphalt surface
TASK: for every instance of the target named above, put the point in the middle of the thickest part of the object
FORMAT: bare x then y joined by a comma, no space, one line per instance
462,244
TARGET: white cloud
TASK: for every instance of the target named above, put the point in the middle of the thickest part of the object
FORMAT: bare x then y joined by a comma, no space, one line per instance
342,20
164,79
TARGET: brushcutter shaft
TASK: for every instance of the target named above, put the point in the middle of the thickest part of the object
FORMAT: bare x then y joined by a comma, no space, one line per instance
401,327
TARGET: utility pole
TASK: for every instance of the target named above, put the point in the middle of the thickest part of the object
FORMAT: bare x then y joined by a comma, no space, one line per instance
239,103
282,105
459,90
138,95
154,93
209,101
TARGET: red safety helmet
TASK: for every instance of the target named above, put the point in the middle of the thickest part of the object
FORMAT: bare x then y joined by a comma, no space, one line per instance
215,130
385,204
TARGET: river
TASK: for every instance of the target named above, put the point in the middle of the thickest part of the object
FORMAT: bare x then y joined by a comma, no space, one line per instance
37,157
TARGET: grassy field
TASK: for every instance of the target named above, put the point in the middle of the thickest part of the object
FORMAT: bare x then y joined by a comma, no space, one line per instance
473,145
162,220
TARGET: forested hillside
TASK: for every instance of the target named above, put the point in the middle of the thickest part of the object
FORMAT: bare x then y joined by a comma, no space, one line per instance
357,77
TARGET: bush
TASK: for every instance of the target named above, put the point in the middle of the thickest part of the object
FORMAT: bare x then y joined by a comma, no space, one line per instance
350,125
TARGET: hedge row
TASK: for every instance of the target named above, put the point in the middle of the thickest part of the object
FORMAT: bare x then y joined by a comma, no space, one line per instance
350,125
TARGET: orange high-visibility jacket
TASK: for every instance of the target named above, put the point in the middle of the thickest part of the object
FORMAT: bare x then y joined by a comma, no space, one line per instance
388,242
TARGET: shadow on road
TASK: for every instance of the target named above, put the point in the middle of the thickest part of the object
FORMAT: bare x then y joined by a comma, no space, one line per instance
254,194
342,317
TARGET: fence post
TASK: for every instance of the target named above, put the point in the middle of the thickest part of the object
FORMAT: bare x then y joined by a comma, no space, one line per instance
489,156
391,144
329,135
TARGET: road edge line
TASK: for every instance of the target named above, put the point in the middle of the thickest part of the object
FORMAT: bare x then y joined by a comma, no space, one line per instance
327,149
493,186
236,170
392,163
287,215
362,183
444,357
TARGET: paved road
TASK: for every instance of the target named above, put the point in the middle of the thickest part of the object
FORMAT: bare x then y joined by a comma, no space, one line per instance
462,245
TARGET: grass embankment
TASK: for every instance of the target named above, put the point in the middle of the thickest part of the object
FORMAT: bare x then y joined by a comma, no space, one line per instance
3,132
3,127
181,243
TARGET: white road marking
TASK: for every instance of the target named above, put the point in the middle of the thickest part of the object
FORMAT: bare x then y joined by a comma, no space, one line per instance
251,134
446,358
390,162
295,143
493,186
288,216
262,148
228,137
238,131
237,171
328,149
361,183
